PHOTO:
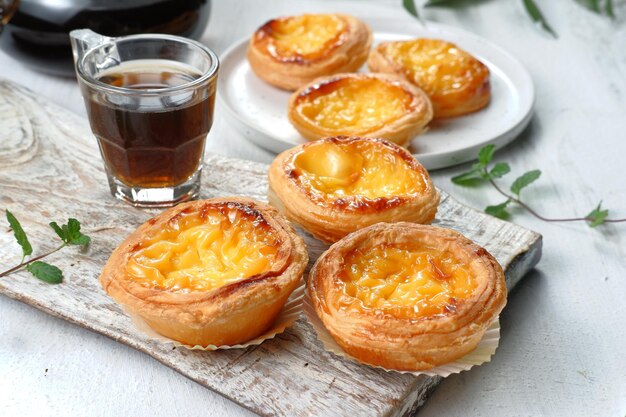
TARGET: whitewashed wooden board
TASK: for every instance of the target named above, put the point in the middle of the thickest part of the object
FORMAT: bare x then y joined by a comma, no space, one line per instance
50,169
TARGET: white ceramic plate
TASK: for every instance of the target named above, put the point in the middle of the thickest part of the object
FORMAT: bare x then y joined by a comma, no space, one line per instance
260,110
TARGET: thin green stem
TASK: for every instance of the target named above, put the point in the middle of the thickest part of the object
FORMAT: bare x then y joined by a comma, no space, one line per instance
537,215
36,258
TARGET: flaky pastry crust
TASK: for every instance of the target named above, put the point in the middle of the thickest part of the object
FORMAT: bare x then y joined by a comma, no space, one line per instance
455,81
342,47
225,315
337,185
402,337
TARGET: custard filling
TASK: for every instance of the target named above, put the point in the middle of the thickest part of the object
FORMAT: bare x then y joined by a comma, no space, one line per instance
305,36
436,66
406,282
201,251
355,106
356,168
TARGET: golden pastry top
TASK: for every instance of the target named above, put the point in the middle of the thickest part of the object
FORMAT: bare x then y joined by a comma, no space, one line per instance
302,38
339,169
406,282
437,67
203,250
354,105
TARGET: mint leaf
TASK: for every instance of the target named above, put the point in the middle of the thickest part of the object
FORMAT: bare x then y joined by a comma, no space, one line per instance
596,6
70,233
82,240
45,272
499,170
59,231
593,5
477,166
525,180
468,179
409,6
608,8
430,3
499,210
19,233
485,155
75,237
535,14
597,216
477,174
449,3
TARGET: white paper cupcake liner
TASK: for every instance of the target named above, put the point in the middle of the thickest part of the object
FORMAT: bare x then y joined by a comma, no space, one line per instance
288,315
482,354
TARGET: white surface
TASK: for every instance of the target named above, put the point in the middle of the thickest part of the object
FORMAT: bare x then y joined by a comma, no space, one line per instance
563,341
262,109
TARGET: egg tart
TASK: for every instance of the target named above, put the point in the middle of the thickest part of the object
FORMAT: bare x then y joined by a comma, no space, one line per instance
337,185
289,52
369,105
405,296
210,272
456,82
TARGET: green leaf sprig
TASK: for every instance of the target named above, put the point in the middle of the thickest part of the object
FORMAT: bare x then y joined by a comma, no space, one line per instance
535,14
599,6
530,7
409,6
484,171
69,234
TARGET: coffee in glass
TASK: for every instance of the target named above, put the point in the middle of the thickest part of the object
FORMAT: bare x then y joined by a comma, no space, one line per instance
150,102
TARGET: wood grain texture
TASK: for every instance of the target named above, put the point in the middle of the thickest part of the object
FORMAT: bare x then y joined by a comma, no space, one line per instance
52,170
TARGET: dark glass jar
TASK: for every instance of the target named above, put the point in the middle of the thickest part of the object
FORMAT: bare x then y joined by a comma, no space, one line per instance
37,34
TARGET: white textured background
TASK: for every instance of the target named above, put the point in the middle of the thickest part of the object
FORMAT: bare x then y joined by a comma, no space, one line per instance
563,347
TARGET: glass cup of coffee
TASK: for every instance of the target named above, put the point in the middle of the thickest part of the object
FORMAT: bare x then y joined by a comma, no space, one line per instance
150,101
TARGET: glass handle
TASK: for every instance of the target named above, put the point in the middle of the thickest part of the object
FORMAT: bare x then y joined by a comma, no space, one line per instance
83,40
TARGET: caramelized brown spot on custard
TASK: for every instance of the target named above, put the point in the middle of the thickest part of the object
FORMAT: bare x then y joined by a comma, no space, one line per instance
304,38
356,174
